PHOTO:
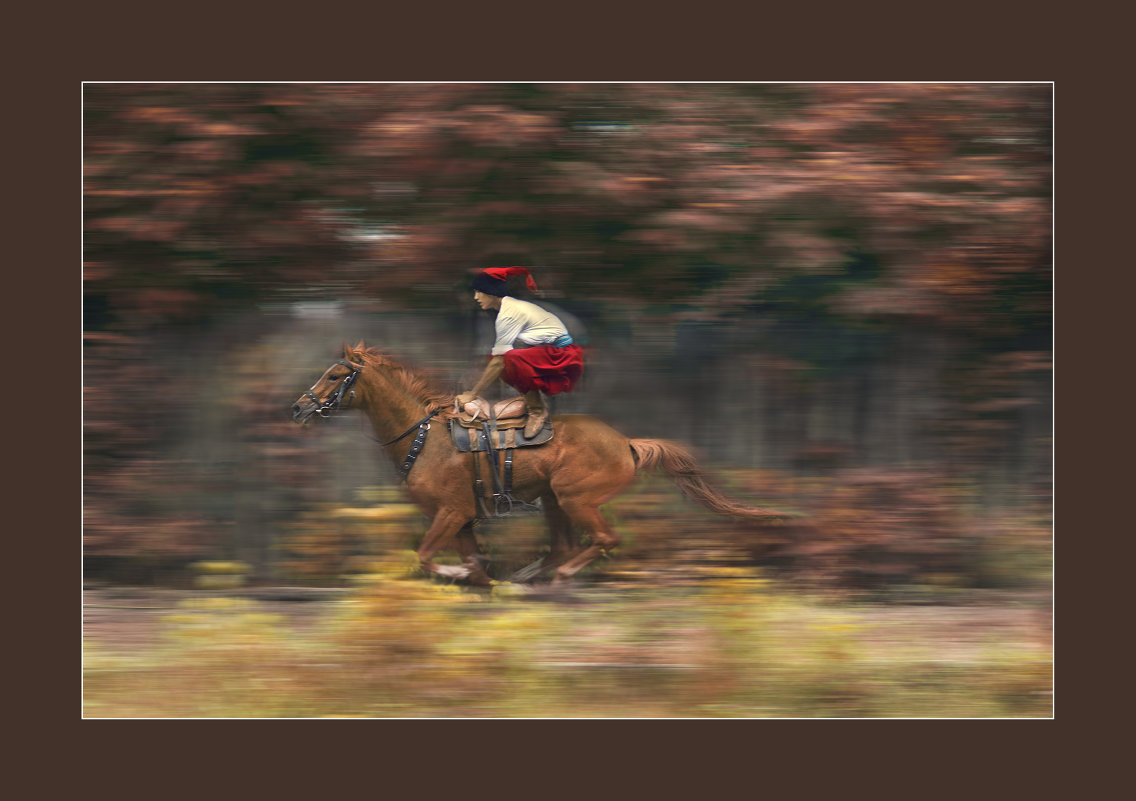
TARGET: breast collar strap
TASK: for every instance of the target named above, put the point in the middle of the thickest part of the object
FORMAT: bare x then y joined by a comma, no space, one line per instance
423,427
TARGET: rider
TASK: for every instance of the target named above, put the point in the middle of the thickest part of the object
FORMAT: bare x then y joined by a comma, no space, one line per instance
533,352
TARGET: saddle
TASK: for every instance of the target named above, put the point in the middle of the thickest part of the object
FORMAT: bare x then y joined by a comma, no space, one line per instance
509,413
499,426
491,428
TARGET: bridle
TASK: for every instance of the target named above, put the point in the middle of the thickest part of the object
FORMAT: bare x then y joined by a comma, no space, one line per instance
334,401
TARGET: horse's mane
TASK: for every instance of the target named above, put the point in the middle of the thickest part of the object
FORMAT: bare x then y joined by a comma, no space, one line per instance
405,378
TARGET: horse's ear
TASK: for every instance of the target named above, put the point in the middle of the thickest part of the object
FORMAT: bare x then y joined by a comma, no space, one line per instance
354,354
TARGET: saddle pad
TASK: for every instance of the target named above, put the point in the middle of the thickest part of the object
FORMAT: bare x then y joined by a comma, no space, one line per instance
468,440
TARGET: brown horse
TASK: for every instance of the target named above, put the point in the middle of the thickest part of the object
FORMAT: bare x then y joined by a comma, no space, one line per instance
586,464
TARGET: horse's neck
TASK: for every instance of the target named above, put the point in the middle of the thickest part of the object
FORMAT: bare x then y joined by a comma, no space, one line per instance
391,409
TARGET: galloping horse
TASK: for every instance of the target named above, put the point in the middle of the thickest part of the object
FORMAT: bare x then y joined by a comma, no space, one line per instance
585,464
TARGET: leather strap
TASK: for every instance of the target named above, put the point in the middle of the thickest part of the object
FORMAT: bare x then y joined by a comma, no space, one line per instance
479,487
415,447
423,422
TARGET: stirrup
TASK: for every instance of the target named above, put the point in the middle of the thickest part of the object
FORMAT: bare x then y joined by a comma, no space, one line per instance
506,506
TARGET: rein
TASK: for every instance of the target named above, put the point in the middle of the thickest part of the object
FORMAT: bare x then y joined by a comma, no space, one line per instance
423,423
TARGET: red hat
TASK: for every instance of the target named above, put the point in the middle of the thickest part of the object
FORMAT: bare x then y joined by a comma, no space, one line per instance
493,280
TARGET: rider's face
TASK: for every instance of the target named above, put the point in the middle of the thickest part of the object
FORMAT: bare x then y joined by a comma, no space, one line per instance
486,301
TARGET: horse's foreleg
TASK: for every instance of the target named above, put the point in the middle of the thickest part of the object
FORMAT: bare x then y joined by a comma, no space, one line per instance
446,525
470,553
467,542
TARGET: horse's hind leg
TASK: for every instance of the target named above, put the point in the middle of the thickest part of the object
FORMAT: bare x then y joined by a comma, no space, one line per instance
587,516
582,488
562,542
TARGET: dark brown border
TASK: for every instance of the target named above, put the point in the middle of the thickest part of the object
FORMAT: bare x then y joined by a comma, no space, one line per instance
493,754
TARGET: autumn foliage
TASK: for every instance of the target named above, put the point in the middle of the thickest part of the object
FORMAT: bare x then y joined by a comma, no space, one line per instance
871,263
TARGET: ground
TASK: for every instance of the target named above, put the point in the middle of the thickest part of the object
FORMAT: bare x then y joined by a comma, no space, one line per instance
131,618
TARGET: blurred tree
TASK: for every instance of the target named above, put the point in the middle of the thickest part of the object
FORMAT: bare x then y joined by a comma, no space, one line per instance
861,238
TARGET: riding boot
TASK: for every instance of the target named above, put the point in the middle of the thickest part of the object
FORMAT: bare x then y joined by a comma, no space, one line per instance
538,413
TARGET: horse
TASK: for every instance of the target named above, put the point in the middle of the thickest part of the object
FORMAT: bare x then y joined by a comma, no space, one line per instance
586,464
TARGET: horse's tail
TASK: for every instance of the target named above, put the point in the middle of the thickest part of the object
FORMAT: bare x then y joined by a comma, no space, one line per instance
677,462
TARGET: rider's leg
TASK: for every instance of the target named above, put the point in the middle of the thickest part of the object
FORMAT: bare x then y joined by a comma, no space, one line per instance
538,413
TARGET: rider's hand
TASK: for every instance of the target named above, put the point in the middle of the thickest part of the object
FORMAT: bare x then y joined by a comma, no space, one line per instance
464,398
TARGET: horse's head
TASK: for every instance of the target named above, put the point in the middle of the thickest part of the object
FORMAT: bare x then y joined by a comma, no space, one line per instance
333,390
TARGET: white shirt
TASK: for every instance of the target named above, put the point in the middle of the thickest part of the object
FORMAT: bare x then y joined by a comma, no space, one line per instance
525,323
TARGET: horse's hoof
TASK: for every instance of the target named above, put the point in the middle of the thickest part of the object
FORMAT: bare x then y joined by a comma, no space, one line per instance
505,589
528,573
452,571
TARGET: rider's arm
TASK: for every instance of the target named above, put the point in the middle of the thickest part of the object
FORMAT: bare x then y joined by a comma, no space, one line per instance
492,371
509,324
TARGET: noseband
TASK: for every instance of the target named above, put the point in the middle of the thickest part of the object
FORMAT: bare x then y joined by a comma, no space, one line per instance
335,400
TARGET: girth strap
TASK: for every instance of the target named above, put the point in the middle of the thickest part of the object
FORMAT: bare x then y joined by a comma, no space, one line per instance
503,501
491,452
479,486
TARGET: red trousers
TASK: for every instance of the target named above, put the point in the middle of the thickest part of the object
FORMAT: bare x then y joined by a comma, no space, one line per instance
549,369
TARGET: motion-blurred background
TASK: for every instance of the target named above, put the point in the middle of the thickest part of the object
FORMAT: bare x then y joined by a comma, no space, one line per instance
840,295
